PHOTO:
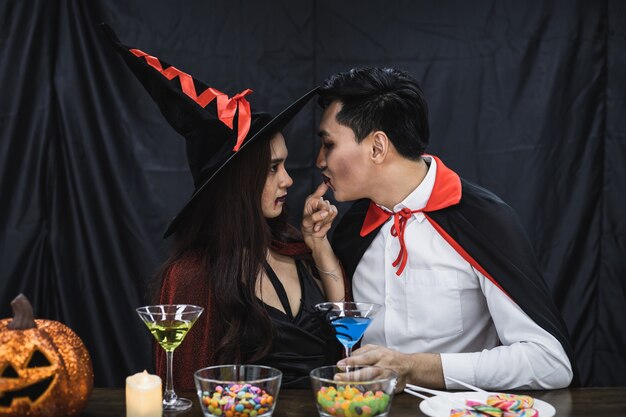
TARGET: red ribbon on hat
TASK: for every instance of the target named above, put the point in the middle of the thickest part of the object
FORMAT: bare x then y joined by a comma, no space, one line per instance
226,107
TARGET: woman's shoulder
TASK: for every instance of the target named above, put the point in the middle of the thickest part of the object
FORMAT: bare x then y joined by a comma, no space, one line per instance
193,260
189,268
185,279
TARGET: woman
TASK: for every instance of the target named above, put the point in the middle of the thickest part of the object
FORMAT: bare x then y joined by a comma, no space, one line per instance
233,252
236,255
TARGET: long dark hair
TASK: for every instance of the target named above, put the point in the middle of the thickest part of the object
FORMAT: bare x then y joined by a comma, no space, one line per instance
226,228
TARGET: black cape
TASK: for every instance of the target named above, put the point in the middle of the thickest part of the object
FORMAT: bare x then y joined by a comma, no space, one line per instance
488,230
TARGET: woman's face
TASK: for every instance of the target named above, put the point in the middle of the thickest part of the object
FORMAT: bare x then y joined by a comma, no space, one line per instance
277,181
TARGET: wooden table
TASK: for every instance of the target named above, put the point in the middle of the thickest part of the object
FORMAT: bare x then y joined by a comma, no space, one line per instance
578,402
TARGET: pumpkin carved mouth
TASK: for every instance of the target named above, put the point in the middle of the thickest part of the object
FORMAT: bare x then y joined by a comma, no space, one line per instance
32,392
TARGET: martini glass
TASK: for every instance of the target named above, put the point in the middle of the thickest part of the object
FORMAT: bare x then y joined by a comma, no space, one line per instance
349,320
169,324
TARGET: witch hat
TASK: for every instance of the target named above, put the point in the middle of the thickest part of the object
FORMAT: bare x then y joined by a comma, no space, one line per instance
214,125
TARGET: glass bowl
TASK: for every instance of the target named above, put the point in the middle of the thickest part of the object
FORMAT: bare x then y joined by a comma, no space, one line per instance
347,391
237,390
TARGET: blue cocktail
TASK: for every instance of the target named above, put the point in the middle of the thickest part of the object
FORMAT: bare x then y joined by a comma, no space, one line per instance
350,329
349,320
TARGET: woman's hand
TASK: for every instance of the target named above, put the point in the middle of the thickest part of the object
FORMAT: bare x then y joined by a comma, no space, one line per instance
317,217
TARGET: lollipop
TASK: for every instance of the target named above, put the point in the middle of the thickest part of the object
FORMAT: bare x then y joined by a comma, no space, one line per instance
510,402
498,405
526,412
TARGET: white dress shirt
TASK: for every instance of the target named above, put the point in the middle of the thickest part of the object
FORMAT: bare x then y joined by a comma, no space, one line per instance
442,304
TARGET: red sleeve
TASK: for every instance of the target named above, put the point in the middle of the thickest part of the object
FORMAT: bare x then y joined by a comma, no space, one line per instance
186,283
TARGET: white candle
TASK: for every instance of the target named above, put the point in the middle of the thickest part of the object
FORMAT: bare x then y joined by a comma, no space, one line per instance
143,395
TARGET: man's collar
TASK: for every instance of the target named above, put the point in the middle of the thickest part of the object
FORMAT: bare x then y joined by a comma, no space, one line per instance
446,191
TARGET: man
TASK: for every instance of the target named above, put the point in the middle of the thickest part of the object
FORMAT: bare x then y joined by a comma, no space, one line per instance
462,293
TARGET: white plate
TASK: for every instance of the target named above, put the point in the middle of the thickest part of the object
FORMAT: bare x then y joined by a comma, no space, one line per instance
439,406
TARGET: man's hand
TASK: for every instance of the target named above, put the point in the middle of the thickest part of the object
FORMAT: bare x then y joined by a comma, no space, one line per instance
318,216
417,368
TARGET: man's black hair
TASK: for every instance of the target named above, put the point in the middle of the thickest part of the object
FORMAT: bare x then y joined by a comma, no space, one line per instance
384,99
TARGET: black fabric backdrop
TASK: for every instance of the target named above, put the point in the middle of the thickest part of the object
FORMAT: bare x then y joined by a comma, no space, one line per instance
526,98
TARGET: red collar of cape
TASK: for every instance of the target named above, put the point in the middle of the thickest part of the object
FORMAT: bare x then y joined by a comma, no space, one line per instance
446,192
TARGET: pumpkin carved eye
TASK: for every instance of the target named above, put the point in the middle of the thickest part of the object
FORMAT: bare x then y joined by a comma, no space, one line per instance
31,388
9,372
37,360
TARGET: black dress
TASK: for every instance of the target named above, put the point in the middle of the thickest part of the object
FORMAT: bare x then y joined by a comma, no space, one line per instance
303,342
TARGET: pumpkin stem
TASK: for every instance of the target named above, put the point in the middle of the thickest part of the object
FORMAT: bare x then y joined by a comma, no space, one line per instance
23,316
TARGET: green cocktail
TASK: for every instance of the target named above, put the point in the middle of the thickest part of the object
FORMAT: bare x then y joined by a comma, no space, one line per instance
169,324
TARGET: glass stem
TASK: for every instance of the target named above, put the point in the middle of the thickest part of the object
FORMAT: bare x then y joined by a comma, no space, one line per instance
169,396
348,350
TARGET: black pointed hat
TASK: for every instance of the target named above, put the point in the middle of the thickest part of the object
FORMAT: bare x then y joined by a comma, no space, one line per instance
214,125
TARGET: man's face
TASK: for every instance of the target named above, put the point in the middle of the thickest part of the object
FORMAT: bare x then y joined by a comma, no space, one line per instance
343,161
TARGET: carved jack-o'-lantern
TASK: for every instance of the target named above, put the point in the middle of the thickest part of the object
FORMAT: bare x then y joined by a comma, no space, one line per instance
45,369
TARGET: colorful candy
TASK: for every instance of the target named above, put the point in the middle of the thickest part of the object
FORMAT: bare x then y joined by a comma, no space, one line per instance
486,410
510,402
465,412
349,401
238,400
526,412
498,405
